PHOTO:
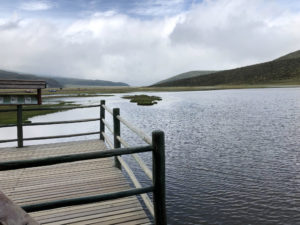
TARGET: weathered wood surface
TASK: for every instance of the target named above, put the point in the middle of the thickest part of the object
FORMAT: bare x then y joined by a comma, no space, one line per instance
70,180
11,214
22,84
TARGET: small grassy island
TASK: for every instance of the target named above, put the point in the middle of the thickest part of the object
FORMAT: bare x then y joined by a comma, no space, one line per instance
143,99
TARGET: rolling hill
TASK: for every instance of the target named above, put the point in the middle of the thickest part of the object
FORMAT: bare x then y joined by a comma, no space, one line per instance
293,55
186,75
57,82
284,70
82,82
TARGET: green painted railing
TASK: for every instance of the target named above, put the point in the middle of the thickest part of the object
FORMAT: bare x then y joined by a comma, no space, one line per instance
155,144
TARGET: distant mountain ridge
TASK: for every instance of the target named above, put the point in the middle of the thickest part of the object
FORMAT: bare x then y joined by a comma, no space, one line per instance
189,74
57,82
285,69
82,82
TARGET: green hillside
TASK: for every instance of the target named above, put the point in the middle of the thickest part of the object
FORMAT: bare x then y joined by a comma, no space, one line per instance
189,74
285,70
67,82
293,55
57,82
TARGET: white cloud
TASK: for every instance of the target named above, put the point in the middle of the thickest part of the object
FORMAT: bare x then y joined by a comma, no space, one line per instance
243,31
36,5
112,46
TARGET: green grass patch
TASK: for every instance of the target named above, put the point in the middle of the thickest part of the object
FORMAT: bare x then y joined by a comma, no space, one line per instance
81,95
143,99
11,117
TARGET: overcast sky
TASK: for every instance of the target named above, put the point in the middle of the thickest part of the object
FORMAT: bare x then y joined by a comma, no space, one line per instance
142,41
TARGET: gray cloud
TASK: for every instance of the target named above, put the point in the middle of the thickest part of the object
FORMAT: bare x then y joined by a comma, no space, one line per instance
112,46
9,24
244,31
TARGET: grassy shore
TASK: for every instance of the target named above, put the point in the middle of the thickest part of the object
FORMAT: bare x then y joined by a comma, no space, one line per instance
117,90
103,91
11,117
80,95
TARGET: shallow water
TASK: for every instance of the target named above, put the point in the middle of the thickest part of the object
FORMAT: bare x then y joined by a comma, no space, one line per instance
232,156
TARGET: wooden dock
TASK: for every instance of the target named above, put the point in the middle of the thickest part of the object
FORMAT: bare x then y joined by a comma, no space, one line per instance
70,180
81,182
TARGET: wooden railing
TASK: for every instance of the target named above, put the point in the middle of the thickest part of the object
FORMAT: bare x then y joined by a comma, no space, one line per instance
155,144
20,139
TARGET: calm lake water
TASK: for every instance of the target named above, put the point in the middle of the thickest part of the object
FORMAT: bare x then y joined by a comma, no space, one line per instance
232,156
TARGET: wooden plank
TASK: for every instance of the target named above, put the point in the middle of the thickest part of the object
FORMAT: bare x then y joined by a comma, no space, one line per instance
95,212
11,214
22,84
19,164
114,219
70,180
22,81
102,215
82,208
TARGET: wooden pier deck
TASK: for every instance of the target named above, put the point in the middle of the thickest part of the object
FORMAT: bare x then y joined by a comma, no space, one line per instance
70,180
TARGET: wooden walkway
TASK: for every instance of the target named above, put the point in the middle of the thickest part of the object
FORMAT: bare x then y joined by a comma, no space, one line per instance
70,180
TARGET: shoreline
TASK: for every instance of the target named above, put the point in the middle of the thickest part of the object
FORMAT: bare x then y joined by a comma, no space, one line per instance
10,117
98,91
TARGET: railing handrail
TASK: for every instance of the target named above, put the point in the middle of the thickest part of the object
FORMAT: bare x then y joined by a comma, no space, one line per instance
156,145
140,133
60,122
141,163
118,141
86,200
107,109
135,130
53,160
50,137
20,123
51,108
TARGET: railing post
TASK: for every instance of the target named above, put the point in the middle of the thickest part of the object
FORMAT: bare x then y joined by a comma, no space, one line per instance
117,132
39,96
20,126
102,116
159,193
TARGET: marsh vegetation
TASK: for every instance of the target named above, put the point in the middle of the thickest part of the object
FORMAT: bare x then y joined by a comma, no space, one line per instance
143,99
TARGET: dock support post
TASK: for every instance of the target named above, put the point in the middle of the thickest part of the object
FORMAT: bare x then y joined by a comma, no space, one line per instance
102,116
39,96
159,193
117,132
20,126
